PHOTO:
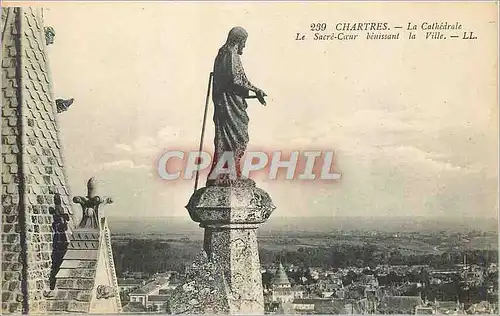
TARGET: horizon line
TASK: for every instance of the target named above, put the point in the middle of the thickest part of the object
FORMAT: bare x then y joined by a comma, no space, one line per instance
342,216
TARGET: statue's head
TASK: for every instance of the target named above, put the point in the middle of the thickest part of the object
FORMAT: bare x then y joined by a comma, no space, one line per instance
237,37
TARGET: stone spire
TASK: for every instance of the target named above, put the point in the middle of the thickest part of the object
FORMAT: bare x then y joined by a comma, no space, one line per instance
280,278
32,163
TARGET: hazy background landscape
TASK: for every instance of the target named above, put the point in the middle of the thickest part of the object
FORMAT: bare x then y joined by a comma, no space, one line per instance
154,245
164,226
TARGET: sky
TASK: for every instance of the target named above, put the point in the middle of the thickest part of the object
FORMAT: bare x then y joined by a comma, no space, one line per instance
414,124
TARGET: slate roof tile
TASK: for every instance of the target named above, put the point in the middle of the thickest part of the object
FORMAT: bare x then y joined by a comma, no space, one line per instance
78,307
58,305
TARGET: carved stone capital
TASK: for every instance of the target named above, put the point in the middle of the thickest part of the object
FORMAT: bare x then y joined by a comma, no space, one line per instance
224,205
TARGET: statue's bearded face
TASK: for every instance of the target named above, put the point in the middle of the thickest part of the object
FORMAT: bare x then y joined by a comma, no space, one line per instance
241,45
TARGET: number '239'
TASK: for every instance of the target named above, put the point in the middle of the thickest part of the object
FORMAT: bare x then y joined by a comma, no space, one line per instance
318,27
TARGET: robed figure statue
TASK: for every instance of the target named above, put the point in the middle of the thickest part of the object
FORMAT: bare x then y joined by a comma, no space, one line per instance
230,89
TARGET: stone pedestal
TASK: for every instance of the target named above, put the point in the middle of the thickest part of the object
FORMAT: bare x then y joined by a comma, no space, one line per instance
230,216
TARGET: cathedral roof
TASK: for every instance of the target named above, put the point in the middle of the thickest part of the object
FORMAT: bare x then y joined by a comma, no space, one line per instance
32,163
75,278
36,200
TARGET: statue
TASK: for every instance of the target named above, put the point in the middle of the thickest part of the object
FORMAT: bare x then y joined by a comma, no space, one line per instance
230,207
230,89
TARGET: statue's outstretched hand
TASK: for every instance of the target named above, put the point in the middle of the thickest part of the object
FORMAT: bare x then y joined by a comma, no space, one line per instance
260,96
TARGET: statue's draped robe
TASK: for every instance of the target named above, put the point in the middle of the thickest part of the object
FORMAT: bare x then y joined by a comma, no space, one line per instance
230,87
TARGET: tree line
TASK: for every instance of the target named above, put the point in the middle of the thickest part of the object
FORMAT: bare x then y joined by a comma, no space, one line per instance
343,256
153,256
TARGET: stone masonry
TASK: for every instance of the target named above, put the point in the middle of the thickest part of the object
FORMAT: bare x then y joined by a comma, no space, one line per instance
32,164
230,216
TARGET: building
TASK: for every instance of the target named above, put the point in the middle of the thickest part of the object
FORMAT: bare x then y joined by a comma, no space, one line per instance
303,305
399,304
127,284
144,293
134,307
483,307
425,310
157,302
328,306
328,287
368,280
280,279
281,288
333,306
448,307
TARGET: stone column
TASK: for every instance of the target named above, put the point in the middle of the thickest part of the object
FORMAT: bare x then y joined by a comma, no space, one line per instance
230,216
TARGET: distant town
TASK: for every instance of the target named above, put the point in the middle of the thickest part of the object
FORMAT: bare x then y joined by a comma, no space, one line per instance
328,277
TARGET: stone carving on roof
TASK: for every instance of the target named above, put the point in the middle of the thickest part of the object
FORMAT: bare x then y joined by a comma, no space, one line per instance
90,206
63,105
105,291
50,33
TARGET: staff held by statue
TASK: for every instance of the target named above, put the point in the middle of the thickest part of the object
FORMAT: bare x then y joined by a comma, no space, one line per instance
230,89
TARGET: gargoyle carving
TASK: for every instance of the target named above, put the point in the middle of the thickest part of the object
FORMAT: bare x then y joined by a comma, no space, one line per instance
50,33
63,105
